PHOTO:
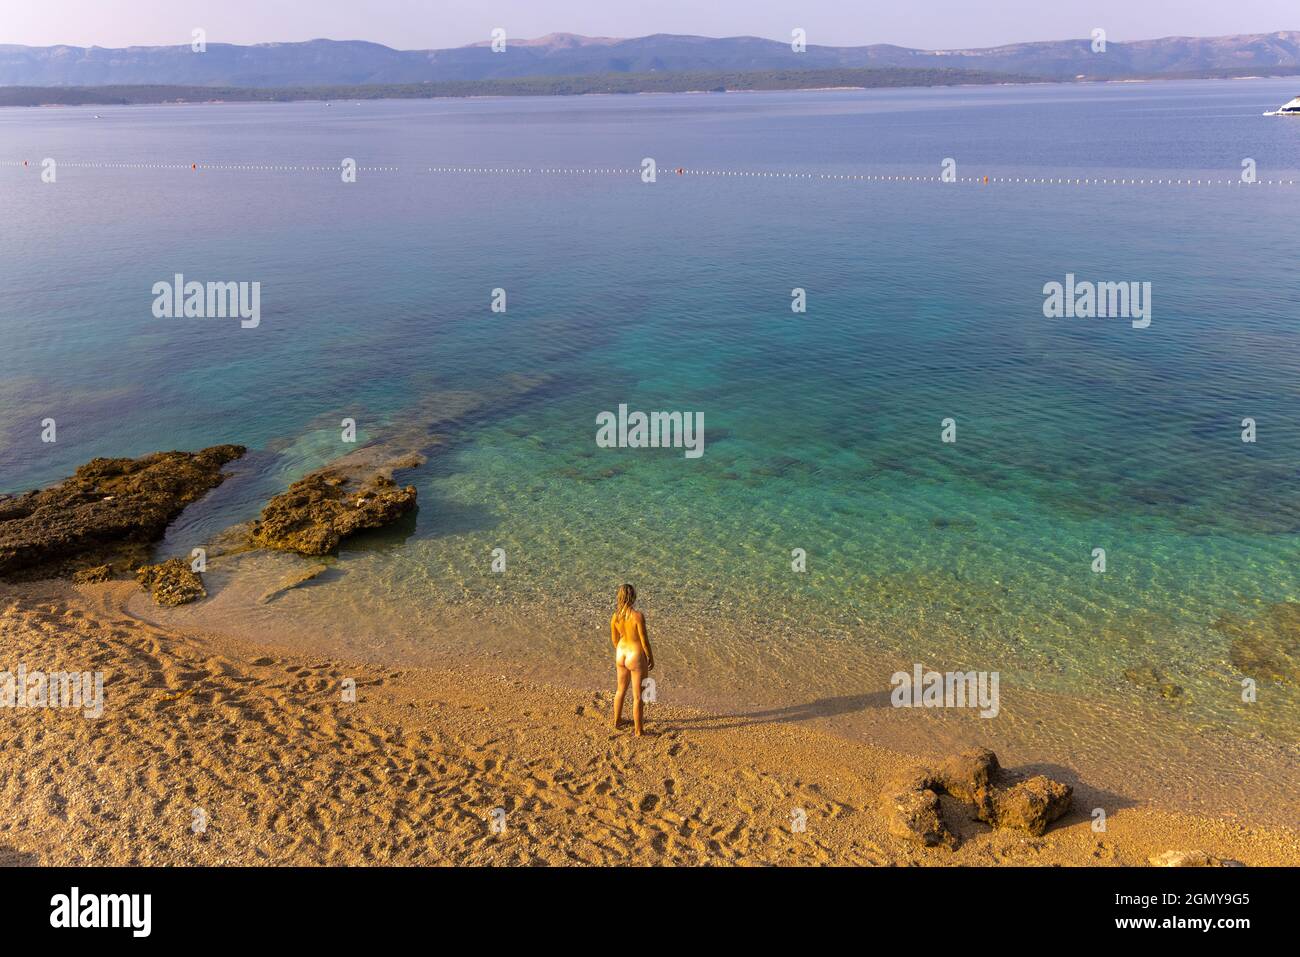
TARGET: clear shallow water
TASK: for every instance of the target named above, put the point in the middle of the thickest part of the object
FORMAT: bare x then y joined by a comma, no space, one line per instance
821,430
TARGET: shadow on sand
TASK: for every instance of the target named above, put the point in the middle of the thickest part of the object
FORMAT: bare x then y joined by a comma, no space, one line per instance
12,857
822,708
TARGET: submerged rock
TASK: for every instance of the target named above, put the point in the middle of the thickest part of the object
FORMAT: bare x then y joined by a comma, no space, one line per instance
292,581
999,797
106,514
357,491
1266,647
172,582
1152,679
325,507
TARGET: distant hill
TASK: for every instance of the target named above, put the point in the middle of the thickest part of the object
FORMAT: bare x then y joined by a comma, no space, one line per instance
316,63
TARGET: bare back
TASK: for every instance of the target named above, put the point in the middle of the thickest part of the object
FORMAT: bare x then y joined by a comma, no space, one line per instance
628,625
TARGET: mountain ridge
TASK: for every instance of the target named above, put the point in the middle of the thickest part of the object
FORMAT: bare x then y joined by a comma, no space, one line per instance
357,62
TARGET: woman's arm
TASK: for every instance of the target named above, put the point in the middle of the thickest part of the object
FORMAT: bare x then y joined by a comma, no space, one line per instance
645,642
613,633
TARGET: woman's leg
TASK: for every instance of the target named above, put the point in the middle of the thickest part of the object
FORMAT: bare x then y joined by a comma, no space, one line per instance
623,678
637,675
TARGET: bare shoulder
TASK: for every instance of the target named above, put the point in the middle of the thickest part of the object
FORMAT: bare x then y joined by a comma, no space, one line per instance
638,616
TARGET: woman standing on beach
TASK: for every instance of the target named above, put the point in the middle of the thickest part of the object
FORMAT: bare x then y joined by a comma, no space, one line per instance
632,655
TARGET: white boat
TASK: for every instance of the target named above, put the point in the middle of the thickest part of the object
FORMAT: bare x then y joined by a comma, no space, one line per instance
1287,109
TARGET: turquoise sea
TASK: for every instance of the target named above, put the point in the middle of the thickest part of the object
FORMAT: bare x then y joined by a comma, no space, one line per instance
822,429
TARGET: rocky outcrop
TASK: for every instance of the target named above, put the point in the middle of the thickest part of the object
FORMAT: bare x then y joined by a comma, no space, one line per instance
968,776
1030,805
90,576
357,491
911,807
107,514
111,511
319,511
998,797
1190,859
172,582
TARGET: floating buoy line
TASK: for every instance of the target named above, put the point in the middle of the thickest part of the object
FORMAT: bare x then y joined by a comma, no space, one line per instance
683,172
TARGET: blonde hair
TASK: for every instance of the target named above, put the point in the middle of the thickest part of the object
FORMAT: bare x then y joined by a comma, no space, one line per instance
626,598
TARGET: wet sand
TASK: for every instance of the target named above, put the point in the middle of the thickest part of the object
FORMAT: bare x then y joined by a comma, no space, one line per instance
443,765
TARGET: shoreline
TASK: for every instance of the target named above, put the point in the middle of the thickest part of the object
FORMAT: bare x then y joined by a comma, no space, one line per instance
286,100
1106,741
286,773
724,673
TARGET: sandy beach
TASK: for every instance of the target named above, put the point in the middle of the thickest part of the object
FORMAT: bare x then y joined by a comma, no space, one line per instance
212,750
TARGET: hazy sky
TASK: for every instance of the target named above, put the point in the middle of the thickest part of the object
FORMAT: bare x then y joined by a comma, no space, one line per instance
419,24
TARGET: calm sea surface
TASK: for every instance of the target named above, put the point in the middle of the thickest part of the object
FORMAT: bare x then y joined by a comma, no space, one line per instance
822,430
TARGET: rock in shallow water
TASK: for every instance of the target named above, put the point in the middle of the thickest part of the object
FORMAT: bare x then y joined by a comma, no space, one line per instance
89,576
107,513
289,582
172,582
1152,679
325,507
1268,646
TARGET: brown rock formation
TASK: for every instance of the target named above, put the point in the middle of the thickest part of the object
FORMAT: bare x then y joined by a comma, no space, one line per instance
172,582
1000,798
1030,805
325,507
107,513
357,491
967,776
89,576
911,808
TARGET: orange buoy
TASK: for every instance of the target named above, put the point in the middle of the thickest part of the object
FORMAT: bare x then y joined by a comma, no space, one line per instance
194,166
680,171
986,180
